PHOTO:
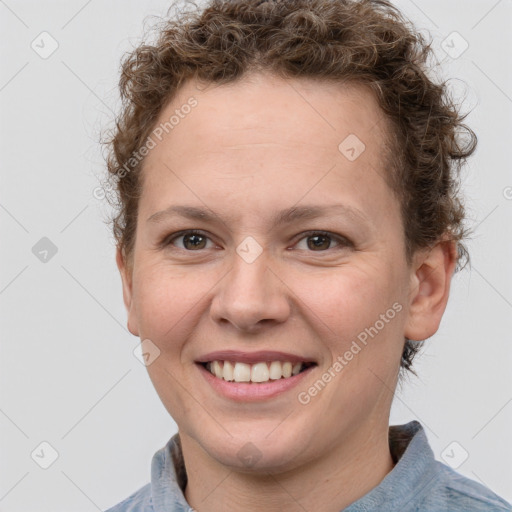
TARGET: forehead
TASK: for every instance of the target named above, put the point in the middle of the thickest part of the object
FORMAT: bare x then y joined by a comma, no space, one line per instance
273,136
260,107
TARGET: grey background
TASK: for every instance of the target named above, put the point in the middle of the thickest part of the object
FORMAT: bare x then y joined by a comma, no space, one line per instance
68,374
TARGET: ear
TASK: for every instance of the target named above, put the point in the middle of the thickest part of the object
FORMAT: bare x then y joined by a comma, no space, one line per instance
432,271
127,280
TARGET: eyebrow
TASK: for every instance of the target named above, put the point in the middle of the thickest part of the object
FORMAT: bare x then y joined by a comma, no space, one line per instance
286,216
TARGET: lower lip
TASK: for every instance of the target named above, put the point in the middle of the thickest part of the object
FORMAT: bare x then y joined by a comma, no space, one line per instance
251,391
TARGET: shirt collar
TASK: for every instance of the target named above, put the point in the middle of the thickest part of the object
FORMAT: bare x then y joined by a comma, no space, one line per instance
414,470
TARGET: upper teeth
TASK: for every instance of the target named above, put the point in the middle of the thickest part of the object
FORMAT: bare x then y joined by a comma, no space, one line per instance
259,372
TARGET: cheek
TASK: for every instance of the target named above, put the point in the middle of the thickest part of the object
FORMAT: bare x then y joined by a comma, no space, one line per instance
167,301
359,318
346,300
364,337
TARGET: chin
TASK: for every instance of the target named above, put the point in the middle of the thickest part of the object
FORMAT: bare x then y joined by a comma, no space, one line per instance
255,451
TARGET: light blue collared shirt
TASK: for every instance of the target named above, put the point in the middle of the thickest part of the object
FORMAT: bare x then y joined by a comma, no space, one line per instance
417,483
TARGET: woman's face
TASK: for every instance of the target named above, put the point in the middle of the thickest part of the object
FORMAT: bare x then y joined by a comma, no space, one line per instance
271,163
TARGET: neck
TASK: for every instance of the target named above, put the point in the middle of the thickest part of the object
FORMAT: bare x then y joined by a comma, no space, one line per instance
330,483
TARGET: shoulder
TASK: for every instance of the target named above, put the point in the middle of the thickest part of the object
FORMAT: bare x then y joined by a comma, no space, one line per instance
455,492
139,501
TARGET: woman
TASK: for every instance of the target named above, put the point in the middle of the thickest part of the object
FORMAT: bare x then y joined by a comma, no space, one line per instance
288,228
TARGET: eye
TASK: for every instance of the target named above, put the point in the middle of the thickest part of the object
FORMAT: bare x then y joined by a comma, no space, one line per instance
320,241
316,241
192,240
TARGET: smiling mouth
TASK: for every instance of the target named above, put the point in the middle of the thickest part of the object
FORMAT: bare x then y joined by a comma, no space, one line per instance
261,372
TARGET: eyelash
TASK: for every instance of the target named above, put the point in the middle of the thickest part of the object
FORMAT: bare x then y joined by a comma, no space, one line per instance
341,240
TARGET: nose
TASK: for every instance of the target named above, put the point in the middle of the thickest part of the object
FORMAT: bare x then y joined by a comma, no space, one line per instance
251,297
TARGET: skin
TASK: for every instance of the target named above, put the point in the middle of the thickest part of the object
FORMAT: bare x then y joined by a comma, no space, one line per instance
247,151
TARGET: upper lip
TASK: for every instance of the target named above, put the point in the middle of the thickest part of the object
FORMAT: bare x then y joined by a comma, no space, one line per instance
252,357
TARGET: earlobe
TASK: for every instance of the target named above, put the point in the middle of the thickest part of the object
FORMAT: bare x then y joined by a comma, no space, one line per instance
430,289
127,284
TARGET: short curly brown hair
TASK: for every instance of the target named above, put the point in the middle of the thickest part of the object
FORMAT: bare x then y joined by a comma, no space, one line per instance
366,42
